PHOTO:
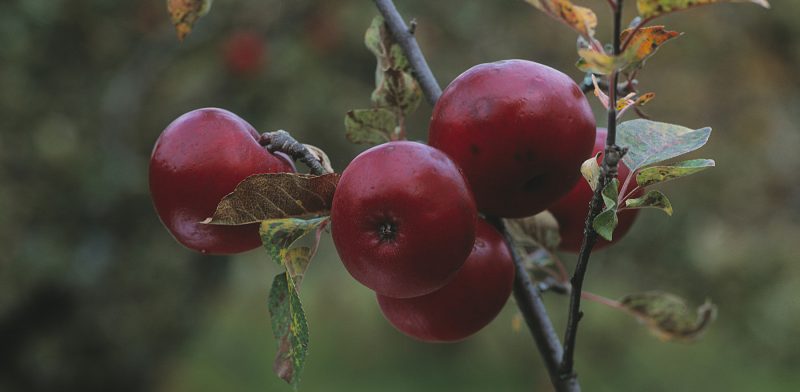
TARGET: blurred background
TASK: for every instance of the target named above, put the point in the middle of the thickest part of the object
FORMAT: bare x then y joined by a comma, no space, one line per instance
96,295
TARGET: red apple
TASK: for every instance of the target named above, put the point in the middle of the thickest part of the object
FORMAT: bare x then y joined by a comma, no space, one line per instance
570,211
199,158
466,304
403,219
519,130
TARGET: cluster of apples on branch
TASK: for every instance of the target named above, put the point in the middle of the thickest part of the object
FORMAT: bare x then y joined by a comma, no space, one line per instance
411,220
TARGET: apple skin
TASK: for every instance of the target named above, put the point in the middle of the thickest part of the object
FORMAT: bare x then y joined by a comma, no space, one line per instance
466,304
570,211
403,219
199,158
519,130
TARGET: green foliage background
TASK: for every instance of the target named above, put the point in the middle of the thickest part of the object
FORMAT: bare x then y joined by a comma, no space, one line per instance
95,295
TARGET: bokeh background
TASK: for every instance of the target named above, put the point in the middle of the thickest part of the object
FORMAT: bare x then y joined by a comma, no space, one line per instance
95,294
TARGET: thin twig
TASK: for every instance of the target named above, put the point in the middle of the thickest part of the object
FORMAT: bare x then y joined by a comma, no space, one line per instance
526,294
613,154
529,301
405,37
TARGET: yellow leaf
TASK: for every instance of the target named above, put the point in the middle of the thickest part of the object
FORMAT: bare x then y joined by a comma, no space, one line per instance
646,41
651,8
581,19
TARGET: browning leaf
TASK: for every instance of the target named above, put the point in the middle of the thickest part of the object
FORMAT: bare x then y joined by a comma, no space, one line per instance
394,85
581,19
643,45
649,9
184,14
668,316
658,174
645,42
653,199
275,195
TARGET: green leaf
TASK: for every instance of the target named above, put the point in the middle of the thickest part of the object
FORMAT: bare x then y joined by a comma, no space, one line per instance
657,174
650,142
591,172
275,196
581,19
371,126
289,328
668,316
277,235
289,325
606,221
653,199
394,85
649,9
185,13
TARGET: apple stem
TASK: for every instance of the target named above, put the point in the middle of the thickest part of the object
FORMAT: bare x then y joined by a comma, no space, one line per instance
282,141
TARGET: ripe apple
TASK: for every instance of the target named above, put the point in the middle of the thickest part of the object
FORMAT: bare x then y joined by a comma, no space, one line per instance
403,219
466,304
199,158
570,211
519,130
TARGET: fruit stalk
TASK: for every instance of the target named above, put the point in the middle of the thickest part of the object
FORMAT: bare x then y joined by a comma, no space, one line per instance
612,156
282,141
527,296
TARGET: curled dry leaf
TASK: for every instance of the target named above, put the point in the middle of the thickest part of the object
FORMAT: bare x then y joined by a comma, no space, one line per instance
668,316
591,172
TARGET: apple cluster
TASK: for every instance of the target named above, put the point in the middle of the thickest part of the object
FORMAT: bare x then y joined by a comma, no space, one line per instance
506,140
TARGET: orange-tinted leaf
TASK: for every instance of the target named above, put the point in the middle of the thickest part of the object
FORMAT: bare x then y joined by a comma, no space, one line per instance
644,99
581,19
645,42
653,8
184,14
642,45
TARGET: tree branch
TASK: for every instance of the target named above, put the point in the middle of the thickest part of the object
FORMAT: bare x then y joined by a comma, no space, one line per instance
526,293
405,38
611,157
